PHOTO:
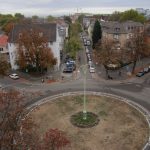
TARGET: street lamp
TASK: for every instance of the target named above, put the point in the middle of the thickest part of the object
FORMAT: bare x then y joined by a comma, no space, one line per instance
84,68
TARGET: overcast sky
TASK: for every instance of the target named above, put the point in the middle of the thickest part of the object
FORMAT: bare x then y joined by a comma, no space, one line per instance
60,7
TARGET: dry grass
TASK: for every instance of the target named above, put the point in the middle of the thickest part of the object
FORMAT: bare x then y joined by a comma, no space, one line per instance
120,128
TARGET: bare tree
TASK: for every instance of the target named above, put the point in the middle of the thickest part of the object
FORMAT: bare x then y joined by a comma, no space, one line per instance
106,54
138,48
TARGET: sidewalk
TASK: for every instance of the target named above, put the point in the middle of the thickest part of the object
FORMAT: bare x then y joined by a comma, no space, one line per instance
122,74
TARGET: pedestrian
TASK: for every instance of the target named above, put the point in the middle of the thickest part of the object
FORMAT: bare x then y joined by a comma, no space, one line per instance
119,73
42,80
62,77
79,59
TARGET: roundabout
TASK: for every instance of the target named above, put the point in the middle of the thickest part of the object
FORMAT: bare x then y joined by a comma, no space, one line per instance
123,124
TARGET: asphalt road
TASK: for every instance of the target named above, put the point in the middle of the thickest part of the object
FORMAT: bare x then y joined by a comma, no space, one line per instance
136,89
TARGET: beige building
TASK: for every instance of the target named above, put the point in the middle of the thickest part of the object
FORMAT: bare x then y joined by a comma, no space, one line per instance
120,33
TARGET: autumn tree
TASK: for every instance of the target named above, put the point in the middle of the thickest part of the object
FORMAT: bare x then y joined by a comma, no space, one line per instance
4,66
97,33
33,51
12,126
55,139
105,54
8,27
19,132
138,48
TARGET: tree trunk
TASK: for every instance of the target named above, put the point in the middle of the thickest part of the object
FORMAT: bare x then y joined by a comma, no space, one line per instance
106,71
134,65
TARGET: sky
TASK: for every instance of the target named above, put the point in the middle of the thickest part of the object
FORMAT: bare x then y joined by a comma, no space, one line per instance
68,7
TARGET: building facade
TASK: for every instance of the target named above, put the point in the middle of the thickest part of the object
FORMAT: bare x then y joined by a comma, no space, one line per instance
54,33
120,33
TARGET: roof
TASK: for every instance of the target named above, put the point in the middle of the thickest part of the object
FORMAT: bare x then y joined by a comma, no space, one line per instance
48,29
3,40
119,27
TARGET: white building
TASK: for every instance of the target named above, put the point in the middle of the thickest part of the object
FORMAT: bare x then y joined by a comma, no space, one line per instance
52,31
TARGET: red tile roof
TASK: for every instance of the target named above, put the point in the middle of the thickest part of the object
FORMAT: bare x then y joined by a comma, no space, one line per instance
3,40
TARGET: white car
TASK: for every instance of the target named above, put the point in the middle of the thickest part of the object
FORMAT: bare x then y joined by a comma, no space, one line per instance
92,70
14,76
88,42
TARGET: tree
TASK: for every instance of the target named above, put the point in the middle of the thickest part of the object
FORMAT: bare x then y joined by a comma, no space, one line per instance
50,18
8,27
138,48
18,16
18,131
80,18
12,126
105,54
73,45
4,66
67,19
115,16
97,33
35,17
33,51
55,139
132,15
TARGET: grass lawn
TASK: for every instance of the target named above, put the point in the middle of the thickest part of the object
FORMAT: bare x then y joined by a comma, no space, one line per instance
120,128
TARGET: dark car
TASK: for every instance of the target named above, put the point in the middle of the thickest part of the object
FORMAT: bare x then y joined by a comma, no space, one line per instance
140,74
71,65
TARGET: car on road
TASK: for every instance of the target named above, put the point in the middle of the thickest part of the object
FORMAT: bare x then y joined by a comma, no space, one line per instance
140,74
68,70
146,70
14,76
88,42
92,70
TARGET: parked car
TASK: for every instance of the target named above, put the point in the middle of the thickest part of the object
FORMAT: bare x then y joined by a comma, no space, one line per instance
88,42
72,66
92,70
140,74
14,76
146,70
68,70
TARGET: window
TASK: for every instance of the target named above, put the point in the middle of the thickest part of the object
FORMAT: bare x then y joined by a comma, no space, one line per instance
117,29
128,36
41,34
116,36
1,49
